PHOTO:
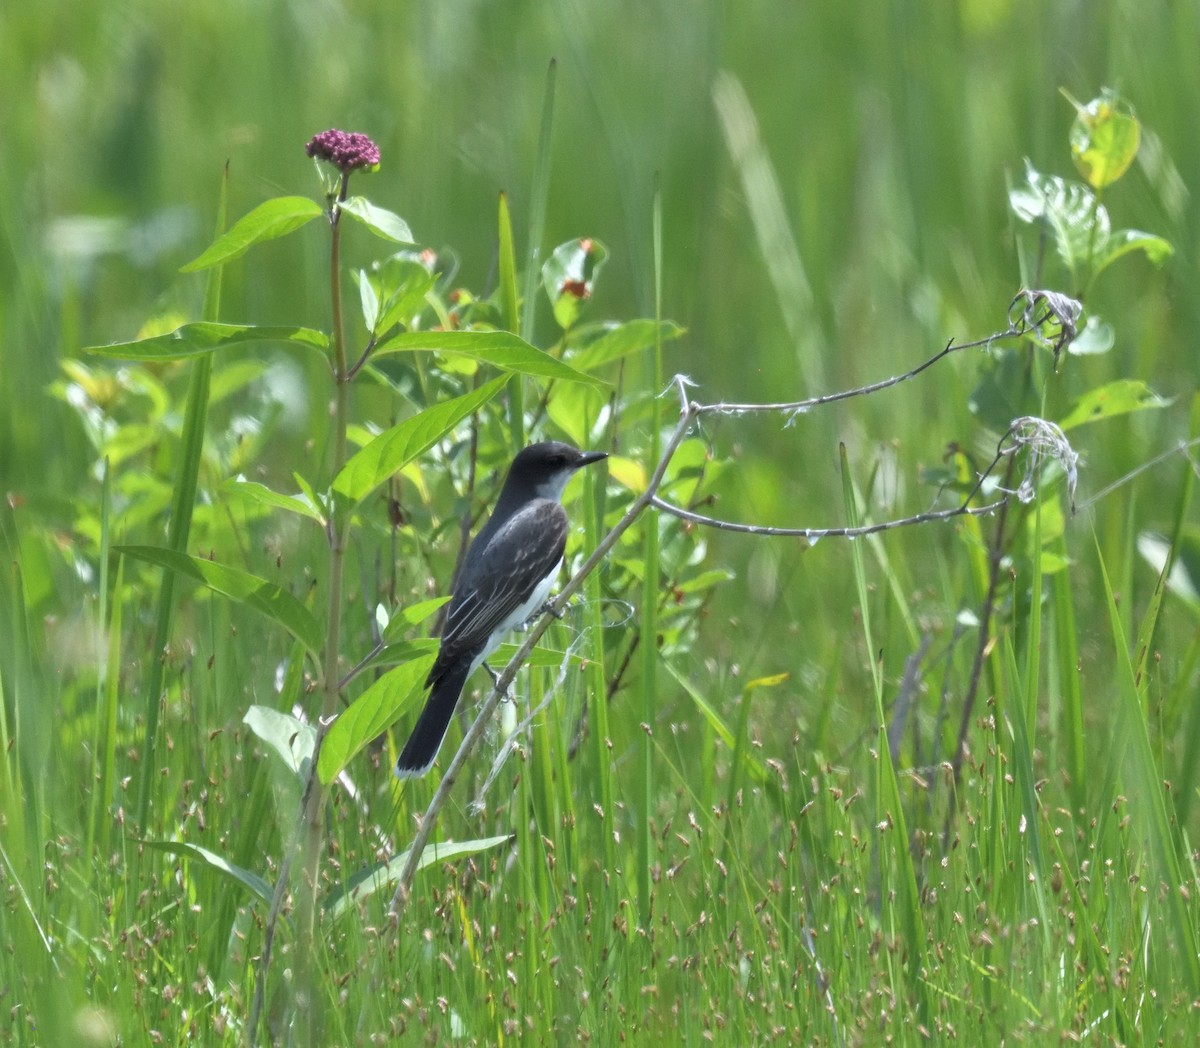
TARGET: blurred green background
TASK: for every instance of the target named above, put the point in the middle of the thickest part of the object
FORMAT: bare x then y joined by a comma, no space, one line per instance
890,130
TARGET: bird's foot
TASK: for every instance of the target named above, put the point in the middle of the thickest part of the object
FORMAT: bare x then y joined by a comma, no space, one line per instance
495,679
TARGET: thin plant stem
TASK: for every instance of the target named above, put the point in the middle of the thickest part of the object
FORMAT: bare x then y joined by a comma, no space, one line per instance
983,645
310,836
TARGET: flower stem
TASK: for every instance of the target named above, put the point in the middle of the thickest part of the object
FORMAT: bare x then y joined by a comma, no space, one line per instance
313,802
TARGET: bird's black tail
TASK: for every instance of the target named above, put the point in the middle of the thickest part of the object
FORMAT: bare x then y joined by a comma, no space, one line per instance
422,747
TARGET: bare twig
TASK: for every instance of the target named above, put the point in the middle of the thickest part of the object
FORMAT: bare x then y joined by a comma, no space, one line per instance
798,407
475,732
995,563
812,534
1182,448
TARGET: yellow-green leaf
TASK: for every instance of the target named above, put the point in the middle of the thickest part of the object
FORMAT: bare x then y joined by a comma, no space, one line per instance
1104,138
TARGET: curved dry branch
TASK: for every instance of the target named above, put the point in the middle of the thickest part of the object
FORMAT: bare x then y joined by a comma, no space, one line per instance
690,411
798,407
475,731
813,534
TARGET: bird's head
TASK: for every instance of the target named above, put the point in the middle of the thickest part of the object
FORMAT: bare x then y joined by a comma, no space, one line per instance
544,469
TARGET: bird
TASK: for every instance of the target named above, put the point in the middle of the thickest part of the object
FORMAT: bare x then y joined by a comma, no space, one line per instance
505,579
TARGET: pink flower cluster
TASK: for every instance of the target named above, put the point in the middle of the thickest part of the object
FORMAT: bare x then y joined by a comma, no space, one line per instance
347,150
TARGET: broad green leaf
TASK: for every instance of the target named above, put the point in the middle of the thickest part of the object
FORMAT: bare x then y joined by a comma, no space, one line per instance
252,882
291,739
1006,391
272,219
569,276
402,284
385,876
411,615
194,340
629,472
368,716
575,409
401,651
1104,138
1079,223
396,447
378,220
1123,241
500,349
631,337
1121,397
264,597
252,491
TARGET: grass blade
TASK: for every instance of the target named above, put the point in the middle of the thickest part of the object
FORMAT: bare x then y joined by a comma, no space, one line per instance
511,319
1146,786
183,499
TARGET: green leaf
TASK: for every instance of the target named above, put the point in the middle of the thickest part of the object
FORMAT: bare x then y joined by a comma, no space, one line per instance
574,409
1079,223
508,268
500,349
1123,241
774,680
1184,577
402,283
368,716
194,340
378,220
386,876
268,221
292,739
368,298
622,340
306,489
234,377
1005,391
264,597
1104,138
706,580
264,496
542,657
1121,397
396,447
569,277
1096,337
252,882
411,615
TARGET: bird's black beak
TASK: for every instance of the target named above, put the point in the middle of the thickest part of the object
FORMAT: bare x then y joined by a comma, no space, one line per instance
586,458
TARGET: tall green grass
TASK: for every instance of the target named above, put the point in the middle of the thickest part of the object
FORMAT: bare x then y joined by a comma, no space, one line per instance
764,860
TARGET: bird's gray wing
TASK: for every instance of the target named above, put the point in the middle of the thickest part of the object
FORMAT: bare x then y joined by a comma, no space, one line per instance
503,575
